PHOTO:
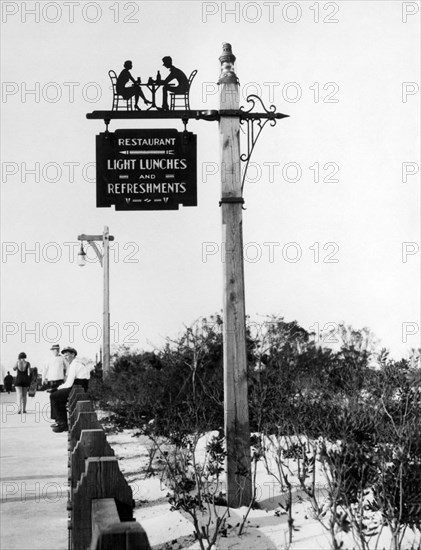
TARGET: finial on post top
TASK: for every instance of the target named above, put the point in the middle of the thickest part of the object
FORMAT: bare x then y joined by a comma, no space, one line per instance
227,60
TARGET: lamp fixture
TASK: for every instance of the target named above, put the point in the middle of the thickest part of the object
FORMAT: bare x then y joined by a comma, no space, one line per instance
81,257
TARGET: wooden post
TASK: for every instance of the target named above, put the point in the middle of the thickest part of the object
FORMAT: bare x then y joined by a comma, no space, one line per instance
102,479
108,533
80,406
91,443
73,392
75,398
237,430
106,313
84,421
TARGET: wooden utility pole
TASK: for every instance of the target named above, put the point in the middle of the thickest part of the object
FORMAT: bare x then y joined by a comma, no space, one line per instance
236,413
106,312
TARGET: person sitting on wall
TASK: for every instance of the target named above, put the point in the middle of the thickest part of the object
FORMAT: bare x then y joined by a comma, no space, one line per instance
182,85
129,91
78,374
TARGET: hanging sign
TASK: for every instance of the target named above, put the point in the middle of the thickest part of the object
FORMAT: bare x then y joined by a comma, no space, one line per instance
146,169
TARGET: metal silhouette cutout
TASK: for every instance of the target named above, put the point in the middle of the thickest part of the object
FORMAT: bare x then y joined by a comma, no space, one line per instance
127,90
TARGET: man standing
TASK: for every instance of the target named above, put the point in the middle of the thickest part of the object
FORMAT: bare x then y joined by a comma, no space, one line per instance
8,381
182,85
56,368
78,374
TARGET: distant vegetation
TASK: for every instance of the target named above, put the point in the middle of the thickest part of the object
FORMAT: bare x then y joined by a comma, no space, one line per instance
352,410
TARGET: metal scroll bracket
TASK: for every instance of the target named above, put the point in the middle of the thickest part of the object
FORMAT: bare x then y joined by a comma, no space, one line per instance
255,124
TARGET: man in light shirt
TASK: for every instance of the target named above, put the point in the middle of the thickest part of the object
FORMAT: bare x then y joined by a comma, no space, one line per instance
77,374
56,368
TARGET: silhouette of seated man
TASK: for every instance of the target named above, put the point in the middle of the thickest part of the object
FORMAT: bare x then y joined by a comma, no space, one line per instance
182,85
129,91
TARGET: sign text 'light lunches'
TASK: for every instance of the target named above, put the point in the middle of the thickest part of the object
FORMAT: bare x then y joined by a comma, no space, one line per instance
146,169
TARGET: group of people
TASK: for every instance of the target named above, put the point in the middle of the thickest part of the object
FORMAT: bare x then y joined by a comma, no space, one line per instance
63,372
176,82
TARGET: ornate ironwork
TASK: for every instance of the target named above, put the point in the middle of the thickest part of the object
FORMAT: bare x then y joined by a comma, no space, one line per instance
210,115
185,114
270,115
256,121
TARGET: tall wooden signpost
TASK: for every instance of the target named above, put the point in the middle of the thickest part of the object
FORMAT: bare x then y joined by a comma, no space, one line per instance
156,170
236,413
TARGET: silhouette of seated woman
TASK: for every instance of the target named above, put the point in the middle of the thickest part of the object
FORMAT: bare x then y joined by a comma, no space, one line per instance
182,85
129,91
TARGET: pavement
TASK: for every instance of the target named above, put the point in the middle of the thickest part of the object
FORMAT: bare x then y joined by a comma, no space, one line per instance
33,476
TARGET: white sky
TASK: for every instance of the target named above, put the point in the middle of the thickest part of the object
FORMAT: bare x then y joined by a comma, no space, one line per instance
368,129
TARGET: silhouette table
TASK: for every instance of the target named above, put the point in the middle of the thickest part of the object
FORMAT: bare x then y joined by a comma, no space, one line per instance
153,86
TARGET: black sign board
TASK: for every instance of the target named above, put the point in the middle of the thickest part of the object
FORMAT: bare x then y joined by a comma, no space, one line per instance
146,169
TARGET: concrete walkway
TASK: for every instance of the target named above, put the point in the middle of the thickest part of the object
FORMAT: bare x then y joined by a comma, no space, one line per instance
33,475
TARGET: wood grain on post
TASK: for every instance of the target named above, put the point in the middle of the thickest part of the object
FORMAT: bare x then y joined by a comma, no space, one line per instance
102,479
237,430
106,309
80,406
108,533
85,421
77,394
92,443
74,391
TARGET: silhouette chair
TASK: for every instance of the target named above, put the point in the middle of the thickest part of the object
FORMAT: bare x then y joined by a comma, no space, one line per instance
182,101
118,99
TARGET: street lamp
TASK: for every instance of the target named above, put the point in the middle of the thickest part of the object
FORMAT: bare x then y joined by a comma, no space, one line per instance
104,260
81,257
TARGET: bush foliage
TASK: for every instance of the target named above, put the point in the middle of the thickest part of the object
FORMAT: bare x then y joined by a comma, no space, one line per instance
364,400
